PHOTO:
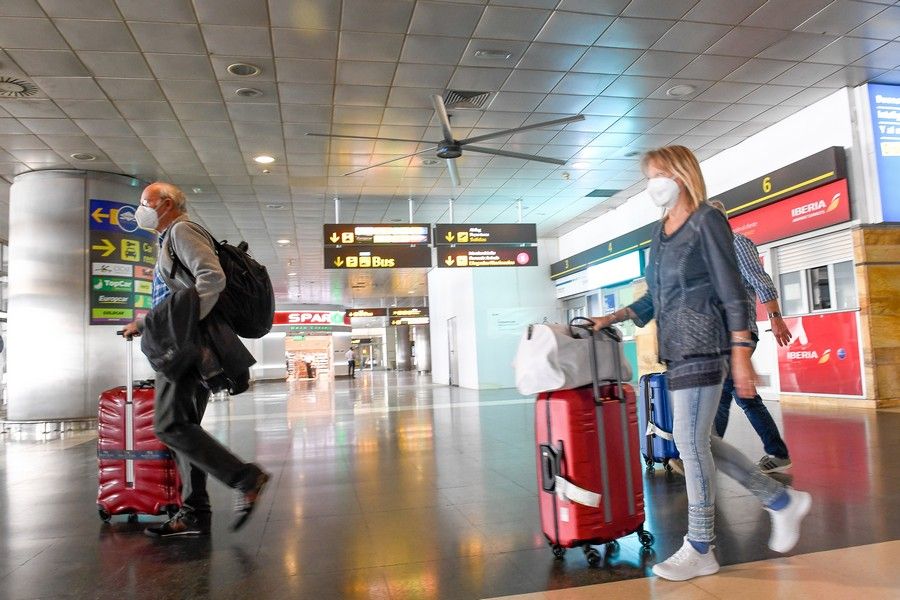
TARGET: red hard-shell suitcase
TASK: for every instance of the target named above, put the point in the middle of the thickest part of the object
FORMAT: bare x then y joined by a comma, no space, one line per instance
137,471
589,472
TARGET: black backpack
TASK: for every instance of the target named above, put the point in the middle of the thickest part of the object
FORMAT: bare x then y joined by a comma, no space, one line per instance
248,300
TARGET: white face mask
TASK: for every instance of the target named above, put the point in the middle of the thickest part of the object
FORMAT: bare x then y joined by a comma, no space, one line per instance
663,191
146,217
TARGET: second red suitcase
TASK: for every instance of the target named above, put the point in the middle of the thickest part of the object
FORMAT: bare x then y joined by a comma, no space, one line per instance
137,471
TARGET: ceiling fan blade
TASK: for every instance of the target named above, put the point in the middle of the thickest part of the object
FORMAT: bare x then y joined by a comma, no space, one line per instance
441,112
453,171
487,136
364,137
552,161
432,149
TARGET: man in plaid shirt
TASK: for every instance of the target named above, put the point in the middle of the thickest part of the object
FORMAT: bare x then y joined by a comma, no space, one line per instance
759,284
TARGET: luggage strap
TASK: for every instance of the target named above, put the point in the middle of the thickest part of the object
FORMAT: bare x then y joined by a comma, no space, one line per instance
652,429
566,490
134,454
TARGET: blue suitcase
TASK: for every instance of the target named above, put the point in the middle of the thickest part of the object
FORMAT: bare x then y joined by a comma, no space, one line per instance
655,421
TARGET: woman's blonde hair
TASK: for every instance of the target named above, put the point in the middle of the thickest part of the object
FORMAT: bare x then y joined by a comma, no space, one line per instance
683,164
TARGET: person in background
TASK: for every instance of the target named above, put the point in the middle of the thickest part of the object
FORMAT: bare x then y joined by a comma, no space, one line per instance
758,284
180,404
351,362
701,309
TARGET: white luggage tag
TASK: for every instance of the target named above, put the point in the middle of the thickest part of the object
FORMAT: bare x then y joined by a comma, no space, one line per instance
652,429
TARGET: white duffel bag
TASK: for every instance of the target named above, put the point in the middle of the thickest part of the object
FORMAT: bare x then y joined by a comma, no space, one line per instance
558,357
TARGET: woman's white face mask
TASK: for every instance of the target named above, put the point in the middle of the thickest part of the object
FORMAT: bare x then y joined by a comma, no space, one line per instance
663,191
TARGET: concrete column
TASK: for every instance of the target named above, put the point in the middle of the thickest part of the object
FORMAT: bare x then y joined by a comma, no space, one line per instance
422,337
58,364
403,348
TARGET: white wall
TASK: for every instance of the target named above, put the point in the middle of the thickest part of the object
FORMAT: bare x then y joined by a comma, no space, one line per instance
451,294
492,307
825,124
507,300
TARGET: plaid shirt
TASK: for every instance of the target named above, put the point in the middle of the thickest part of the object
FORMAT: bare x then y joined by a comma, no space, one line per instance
160,289
756,281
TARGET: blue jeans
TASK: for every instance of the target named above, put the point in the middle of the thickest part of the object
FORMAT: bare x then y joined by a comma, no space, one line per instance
694,410
757,414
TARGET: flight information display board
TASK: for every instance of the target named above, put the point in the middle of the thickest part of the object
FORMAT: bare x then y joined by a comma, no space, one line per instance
377,257
488,233
376,234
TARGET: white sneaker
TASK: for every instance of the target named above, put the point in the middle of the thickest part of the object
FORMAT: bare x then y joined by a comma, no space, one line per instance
786,522
687,563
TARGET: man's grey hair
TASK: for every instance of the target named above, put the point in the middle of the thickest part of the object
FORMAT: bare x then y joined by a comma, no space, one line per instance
173,192
718,206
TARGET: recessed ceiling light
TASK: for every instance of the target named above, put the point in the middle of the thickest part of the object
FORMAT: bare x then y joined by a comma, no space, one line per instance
681,90
493,54
283,242
264,159
275,206
243,69
197,190
83,156
632,154
429,161
396,220
292,274
248,93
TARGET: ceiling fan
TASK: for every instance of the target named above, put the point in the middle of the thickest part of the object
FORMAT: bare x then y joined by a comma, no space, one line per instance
451,148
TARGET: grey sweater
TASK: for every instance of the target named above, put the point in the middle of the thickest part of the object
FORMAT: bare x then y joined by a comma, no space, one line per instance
196,252
694,291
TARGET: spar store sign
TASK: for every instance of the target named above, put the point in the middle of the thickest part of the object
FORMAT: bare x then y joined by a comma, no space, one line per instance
318,319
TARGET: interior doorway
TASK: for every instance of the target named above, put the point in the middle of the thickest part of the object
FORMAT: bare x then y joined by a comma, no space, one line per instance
452,353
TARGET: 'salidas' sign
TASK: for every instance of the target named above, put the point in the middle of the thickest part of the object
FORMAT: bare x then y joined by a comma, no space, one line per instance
815,209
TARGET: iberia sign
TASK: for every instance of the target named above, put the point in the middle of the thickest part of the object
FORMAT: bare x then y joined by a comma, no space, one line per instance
815,209
823,356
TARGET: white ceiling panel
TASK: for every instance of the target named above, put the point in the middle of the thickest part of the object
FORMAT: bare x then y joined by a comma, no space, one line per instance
440,18
183,38
634,33
30,33
511,23
305,43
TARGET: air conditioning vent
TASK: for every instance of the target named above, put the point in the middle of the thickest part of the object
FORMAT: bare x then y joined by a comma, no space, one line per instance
602,193
459,99
13,87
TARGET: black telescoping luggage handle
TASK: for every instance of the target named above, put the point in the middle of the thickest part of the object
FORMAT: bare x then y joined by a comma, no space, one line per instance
588,325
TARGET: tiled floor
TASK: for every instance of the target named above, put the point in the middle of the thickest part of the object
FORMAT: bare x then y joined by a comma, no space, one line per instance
392,487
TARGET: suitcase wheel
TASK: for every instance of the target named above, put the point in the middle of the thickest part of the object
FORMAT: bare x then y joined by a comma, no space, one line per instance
646,538
558,551
592,555
104,515
649,462
667,466
612,548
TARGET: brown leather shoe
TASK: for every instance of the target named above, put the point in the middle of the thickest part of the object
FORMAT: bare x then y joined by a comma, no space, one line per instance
244,502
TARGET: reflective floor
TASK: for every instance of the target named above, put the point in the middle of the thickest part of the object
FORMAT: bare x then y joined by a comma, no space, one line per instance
389,486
